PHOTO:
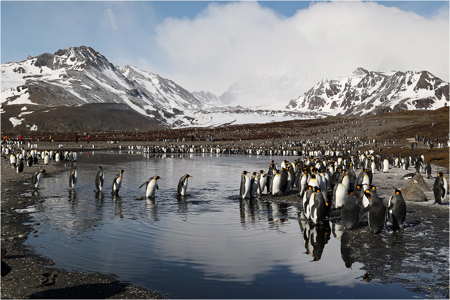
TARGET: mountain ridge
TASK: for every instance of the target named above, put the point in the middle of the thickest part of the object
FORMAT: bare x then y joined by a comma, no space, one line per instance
76,78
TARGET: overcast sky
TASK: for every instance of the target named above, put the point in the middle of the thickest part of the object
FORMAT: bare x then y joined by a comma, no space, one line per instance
211,46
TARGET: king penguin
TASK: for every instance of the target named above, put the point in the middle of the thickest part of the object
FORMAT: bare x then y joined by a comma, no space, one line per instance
440,188
244,190
99,179
262,181
73,178
117,183
152,186
182,185
377,212
350,211
318,207
397,210
276,183
37,177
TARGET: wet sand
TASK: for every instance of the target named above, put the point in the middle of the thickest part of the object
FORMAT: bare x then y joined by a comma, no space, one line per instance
33,276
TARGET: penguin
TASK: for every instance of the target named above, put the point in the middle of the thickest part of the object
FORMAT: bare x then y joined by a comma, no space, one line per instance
29,160
397,210
19,167
13,160
428,170
350,211
99,179
440,188
276,183
152,186
254,185
117,183
303,181
318,207
46,159
377,212
284,181
262,181
182,185
306,201
339,194
73,178
37,177
245,185
385,165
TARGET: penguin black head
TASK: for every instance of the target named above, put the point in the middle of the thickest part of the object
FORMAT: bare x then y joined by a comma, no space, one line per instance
372,187
397,192
157,177
121,171
244,172
367,194
186,175
43,171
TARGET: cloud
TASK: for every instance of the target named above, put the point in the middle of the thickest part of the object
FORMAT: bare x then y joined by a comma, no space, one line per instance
270,58
109,19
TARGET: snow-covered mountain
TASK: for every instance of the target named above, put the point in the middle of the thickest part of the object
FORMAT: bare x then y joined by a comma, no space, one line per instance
79,75
79,89
69,89
364,92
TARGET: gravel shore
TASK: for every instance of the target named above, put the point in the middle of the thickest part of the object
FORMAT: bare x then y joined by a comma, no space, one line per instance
33,276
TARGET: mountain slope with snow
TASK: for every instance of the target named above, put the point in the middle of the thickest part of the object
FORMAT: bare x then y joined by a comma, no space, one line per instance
365,92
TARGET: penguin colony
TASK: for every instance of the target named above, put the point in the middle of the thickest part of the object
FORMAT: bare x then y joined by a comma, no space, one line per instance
33,157
322,184
343,184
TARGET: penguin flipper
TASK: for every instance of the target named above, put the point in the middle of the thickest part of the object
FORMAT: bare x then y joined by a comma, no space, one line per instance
363,212
143,184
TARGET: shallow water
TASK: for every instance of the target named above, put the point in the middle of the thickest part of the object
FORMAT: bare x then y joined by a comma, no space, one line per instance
207,245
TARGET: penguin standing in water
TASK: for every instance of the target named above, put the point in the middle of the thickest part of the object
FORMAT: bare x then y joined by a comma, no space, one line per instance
350,211
440,188
117,183
244,190
377,212
73,178
254,185
397,210
152,186
182,185
262,181
318,207
99,179
37,177
276,183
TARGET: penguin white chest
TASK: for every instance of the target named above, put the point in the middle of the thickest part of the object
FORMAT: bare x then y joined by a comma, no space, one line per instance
151,188
117,184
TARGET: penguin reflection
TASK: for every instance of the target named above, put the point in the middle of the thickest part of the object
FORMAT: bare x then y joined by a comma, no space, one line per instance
315,237
117,202
346,250
152,209
73,199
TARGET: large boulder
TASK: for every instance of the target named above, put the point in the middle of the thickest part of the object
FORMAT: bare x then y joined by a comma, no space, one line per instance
418,181
413,193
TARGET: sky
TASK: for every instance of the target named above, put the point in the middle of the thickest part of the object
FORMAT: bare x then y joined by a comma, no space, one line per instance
261,52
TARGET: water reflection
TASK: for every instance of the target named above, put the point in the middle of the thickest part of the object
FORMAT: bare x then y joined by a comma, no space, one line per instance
152,209
315,237
209,244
